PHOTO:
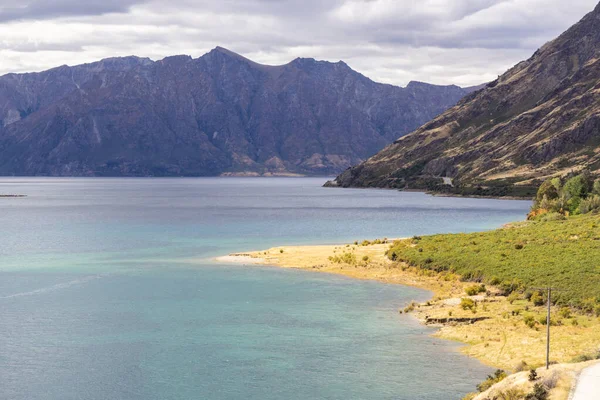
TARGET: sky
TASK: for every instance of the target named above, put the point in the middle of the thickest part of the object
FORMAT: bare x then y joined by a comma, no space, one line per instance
462,42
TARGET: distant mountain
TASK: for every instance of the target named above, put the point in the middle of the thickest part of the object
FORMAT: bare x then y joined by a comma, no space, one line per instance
217,114
539,119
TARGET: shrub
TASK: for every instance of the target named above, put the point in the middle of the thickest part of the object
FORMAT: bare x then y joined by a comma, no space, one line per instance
539,393
345,258
553,216
475,289
590,204
565,312
529,321
533,375
281,250
513,297
537,299
547,190
596,187
509,287
468,304
491,380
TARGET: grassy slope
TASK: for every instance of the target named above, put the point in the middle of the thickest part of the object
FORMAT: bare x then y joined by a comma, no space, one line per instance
564,254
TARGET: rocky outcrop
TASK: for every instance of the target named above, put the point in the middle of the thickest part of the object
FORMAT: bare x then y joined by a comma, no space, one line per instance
539,119
217,114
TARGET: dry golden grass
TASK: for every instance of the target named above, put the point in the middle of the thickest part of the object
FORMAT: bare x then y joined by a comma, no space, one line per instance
563,376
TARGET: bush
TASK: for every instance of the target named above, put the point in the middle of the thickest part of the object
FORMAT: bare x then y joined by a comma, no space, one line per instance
596,187
537,299
491,380
592,203
533,375
475,289
539,393
468,304
510,286
514,296
553,216
529,321
565,312
345,258
547,190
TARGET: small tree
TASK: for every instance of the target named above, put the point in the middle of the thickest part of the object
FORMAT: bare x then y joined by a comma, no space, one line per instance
548,190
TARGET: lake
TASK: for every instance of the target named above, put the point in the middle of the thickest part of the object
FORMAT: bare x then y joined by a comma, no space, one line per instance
98,301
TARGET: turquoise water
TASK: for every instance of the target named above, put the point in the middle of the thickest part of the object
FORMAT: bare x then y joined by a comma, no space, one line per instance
98,301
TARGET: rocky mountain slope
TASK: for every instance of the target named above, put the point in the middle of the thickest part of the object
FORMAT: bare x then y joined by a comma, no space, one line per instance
539,119
220,113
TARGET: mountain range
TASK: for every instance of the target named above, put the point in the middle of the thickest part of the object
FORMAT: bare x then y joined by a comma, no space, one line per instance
217,114
538,120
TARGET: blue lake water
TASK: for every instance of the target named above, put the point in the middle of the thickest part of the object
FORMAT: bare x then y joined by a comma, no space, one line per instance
97,300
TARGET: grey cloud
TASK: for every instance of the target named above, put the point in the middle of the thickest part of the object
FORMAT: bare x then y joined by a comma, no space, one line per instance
44,9
440,41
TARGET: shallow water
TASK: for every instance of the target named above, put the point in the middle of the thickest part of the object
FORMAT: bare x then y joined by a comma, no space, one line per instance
96,303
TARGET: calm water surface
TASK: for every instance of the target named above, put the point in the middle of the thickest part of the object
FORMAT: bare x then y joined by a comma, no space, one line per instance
97,300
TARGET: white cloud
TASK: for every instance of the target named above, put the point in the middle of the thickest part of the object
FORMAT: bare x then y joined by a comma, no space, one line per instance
463,42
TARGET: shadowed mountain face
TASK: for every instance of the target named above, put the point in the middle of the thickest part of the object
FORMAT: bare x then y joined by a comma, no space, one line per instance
539,119
220,113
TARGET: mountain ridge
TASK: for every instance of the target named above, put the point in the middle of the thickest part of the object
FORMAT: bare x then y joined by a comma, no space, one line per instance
220,113
539,119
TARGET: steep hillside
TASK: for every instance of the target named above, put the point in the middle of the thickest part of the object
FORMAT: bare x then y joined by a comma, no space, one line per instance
220,113
539,119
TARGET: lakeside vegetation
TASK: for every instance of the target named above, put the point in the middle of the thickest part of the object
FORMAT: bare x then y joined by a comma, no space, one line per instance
560,252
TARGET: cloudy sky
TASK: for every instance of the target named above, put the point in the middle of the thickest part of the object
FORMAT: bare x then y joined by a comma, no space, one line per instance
463,42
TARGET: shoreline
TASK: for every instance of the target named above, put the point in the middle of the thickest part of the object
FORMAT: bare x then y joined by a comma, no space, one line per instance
488,333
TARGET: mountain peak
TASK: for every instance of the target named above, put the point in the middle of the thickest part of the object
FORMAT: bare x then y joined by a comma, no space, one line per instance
539,119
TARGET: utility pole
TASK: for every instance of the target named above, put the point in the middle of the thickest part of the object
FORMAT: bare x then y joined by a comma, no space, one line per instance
549,301
548,331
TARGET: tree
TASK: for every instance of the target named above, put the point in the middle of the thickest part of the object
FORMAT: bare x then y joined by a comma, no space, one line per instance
547,190
596,187
578,186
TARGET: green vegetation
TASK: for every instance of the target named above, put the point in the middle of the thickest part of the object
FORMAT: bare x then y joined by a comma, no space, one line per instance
563,253
578,195
468,304
475,290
